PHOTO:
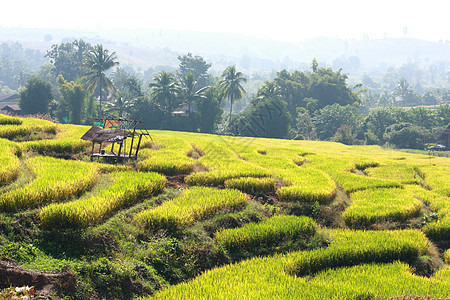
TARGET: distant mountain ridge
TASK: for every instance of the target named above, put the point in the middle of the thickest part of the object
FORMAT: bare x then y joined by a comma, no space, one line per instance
150,48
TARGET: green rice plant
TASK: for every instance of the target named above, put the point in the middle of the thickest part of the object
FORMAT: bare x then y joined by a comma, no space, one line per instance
56,180
193,204
164,161
9,161
251,185
26,128
444,273
436,178
341,170
437,202
8,120
377,205
302,182
268,232
382,281
438,230
58,148
66,142
398,172
306,184
266,277
447,256
127,187
357,247
222,164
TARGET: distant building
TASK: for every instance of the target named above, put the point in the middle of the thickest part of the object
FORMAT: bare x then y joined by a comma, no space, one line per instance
9,104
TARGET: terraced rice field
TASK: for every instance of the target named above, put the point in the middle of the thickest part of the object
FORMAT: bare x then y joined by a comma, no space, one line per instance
367,216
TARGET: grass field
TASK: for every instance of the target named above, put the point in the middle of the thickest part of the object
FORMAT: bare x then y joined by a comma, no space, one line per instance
201,216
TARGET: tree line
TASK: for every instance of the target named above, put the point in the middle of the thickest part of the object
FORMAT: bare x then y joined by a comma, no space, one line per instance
86,82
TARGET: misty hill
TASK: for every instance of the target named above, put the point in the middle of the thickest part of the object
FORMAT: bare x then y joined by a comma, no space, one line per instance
143,49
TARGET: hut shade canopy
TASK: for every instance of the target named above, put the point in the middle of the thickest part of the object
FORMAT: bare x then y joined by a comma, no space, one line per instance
98,135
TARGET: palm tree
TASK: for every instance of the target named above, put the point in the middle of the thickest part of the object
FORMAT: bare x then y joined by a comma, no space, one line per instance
269,90
231,86
403,89
96,62
164,91
189,90
120,105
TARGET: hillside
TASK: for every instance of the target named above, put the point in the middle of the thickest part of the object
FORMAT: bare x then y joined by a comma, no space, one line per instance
209,216
152,48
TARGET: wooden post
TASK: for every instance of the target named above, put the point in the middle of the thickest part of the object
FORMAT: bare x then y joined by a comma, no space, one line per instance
120,149
112,147
139,143
132,138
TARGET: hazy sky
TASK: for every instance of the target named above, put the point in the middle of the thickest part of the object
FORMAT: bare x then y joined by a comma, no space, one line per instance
275,19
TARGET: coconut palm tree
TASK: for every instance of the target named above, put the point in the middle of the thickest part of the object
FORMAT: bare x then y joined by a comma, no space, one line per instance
231,86
96,62
189,90
164,91
121,104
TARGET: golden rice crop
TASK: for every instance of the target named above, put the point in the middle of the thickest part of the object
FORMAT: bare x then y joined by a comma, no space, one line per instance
436,178
127,188
307,184
8,120
437,202
398,172
59,148
222,164
26,128
358,247
251,185
56,180
168,162
266,277
438,230
9,161
193,204
375,205
271,231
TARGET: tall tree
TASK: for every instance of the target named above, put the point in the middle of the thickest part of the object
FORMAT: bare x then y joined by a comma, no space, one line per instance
209,110
121,105
231,85
164,90
73,95
96,62
67,58
36,96
190,91
195,65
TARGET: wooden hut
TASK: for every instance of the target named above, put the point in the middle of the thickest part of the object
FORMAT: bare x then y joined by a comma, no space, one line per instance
115,136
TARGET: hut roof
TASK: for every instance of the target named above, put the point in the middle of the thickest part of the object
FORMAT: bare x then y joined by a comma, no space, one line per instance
97,135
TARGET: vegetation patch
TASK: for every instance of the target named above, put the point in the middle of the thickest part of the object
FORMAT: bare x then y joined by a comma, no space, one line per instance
376,205
251,185
54,182
9,161
193,204
165,161
266,234
126,188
